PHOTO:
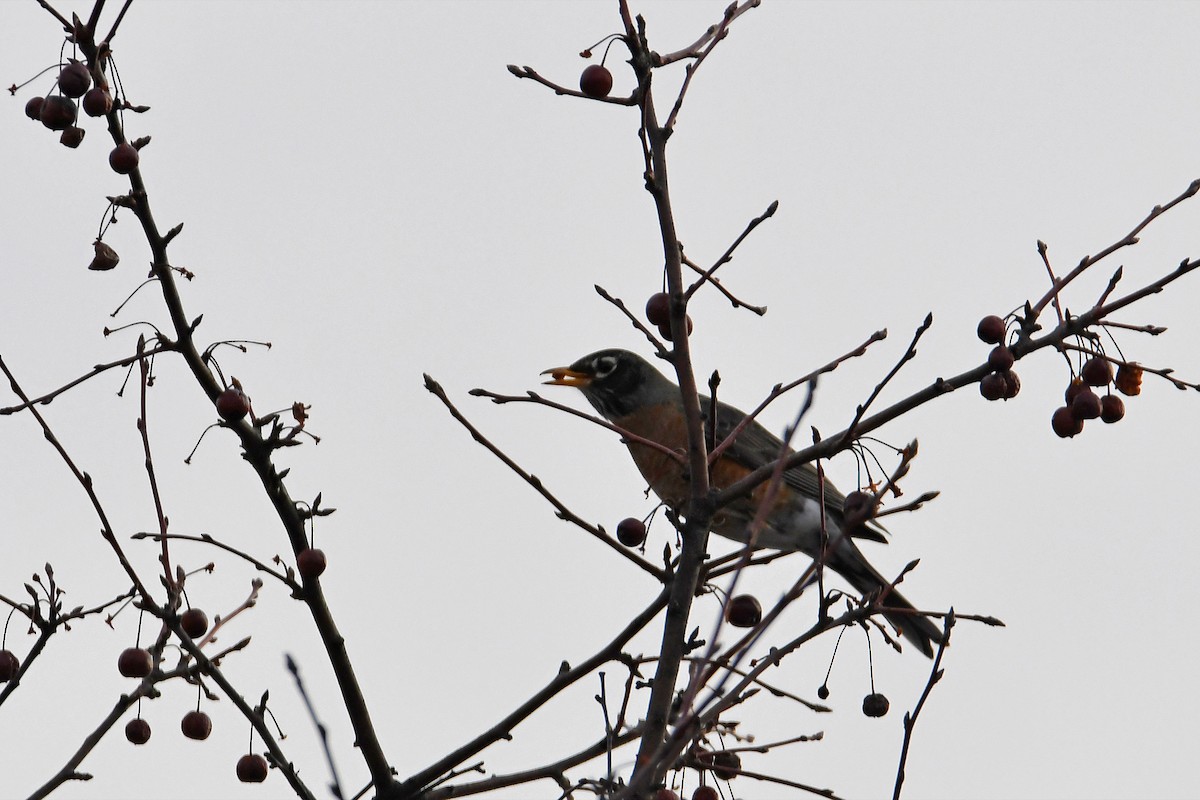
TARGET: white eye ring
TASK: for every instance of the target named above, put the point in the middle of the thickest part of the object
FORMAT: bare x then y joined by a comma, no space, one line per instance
604,366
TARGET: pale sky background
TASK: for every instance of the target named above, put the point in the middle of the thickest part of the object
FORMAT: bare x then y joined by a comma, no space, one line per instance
366,186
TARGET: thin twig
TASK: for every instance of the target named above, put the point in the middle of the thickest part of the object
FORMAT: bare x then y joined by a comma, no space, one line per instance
529,72
910,720
727,256
561,509
335,785
45,399
909,354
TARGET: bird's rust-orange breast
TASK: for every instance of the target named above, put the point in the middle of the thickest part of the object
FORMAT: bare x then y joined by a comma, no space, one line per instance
667,476
664,424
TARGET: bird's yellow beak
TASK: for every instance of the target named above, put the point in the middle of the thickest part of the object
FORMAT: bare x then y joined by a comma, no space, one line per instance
565,376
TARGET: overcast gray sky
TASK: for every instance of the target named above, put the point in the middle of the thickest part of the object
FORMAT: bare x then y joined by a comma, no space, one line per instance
367,187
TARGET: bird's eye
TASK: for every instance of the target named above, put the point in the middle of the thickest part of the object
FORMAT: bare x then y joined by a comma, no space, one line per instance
604,366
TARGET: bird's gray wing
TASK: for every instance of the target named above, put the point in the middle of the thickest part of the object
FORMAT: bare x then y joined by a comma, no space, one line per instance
756,446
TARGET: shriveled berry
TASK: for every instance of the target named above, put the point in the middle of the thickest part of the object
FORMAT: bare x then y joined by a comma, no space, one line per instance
1001,358
1065,424
658,308
33,108
991,329
631,532
726,765
1086,405
105,258
137,731
74,79
135,662
311,562
1112,408
992,386
1129,380
875,705
196,725
743,611
706,792
1096,372
194,622
595,81
232,404
123,159
72,137
1012,384
58,113
10,665
97,102
252,768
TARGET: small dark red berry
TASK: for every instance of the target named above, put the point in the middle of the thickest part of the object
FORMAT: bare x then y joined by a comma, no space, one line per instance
1012,384
991,329
135,662
595,81
252,768
74,79
10,665
1000,359
1073,390
123,159
196,725
875,705
706,792
232,404
743,611
194,622
58,113
311,562
993,386
137,731
1065,423
631,532
823,691
658,308
857,507
1096,372
1112,408
97,102
726,765
665,794
33,108
1086,405
664,330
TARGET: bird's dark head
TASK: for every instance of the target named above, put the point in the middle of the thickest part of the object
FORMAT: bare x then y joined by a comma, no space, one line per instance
615,382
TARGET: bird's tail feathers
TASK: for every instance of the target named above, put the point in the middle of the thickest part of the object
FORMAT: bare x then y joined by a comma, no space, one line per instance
916,628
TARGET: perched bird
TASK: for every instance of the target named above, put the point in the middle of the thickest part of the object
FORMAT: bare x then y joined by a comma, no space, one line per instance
635,396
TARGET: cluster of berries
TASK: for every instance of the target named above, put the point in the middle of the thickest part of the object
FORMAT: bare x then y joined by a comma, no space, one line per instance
136,662
59,112
1082,402
1001,383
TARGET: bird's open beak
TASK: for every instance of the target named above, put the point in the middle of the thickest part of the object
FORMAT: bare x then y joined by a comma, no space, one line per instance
565,376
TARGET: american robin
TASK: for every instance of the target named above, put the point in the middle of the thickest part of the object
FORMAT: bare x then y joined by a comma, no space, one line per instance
636,397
